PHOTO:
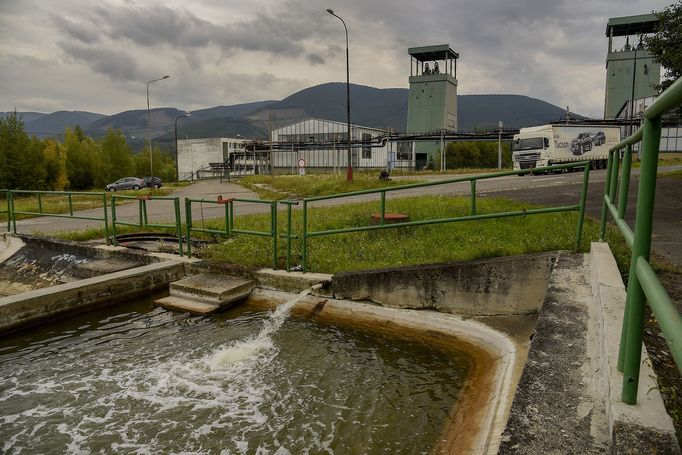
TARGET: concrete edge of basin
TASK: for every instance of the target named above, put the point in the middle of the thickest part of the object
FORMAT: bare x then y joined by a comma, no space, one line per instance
480,418
645,427
30,308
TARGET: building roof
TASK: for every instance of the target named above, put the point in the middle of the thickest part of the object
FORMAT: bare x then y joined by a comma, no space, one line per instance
632,25
352,125
430,53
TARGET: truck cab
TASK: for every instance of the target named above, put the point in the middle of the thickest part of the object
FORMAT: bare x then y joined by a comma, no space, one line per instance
530,148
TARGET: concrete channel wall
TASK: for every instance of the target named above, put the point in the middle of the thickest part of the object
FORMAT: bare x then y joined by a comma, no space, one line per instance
489,287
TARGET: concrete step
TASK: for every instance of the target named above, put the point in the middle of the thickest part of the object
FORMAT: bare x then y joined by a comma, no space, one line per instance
212,288
183,305
102,267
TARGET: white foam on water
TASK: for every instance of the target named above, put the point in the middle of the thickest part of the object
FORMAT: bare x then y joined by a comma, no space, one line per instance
243,350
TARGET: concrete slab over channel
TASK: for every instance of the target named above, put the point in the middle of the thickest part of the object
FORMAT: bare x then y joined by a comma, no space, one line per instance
568,398
206,293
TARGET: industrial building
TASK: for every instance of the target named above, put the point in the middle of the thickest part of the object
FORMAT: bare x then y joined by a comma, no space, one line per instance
210,157
323,147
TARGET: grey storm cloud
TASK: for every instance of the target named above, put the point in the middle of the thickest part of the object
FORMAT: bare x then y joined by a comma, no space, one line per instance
156,25
115,63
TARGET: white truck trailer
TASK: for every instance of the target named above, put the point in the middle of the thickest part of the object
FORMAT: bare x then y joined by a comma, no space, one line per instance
547,145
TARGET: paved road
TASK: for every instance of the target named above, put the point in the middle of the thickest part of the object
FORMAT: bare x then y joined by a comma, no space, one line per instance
561,189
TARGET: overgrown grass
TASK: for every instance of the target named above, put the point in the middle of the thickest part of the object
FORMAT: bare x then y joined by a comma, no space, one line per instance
313,184
410,245
661,162
59,204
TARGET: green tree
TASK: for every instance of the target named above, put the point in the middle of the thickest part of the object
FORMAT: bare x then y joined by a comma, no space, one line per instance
666,43
116,160
164,165
54,157
82,154
15,148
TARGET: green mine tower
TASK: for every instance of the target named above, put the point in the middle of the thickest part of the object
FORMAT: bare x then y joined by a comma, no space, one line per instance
631,71
432,105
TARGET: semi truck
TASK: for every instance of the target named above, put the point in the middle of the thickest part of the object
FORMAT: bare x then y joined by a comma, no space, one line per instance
548,145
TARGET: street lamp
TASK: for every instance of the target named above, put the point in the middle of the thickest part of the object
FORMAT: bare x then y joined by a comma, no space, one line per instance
149,127
177,172
349,171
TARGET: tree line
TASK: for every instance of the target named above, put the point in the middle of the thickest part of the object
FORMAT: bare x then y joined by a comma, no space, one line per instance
479,155
78,162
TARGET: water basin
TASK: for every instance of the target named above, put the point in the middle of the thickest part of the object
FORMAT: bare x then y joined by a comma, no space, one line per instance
135,378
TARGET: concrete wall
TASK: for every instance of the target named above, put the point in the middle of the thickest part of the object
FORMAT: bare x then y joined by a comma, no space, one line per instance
501,286
18,311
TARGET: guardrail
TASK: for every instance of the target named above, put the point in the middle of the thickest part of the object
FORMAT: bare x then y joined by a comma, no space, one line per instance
580,207
643,284
230,228
69,195
7,210
143,220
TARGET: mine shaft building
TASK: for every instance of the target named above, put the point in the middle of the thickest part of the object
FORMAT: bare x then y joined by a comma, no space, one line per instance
631,72
432,102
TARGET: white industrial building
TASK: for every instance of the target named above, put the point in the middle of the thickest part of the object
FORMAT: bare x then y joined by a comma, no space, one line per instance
323,146
207,157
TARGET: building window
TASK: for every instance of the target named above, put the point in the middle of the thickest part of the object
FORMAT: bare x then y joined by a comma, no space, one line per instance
404,151
366,150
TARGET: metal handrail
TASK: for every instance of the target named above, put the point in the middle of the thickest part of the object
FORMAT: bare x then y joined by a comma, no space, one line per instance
643,283
69,195
580,207
229,221
143,219
7,211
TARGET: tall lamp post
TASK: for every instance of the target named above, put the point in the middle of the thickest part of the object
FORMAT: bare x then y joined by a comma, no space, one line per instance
149,127
177,171
349,170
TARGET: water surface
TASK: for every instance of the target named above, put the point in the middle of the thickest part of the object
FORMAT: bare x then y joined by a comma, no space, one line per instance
138,379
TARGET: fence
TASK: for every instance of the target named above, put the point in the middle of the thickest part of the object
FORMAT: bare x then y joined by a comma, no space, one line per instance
69,195
580,207
230,229
7,210
143,220
643,284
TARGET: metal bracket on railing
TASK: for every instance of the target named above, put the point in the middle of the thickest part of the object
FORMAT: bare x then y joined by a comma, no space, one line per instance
144,198
220,200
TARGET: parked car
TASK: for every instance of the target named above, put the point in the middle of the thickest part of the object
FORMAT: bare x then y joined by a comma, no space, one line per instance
126,183
152,182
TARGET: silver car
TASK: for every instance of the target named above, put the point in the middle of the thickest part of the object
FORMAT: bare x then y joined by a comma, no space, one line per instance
126,183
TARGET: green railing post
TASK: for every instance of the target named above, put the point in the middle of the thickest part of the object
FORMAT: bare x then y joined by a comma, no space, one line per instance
613,180
304,239
383,208
113,220
226,207
188,221
139,209
473,197
641,248
106,217
14,216
604,211
273,230
178,224
231,218
288,237
145,221
70,204
40,204
624,188
581,210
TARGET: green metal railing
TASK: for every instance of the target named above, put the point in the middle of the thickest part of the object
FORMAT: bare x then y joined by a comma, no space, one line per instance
7,211
580,207
143,220
69,196
643,284
230,228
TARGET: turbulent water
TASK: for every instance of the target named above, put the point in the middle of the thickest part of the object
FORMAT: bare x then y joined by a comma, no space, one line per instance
137,379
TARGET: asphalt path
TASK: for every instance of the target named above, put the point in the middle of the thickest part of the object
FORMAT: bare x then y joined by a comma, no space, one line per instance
547,189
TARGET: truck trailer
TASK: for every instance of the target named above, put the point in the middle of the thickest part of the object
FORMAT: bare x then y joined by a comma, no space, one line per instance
548,145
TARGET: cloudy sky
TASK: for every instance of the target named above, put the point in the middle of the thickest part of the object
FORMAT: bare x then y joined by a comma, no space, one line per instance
98,56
